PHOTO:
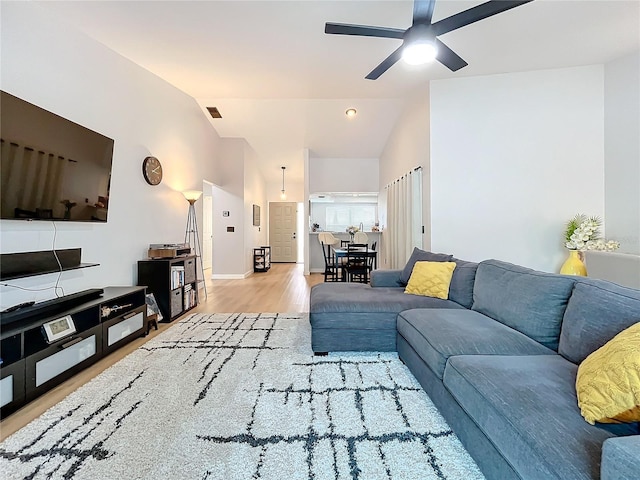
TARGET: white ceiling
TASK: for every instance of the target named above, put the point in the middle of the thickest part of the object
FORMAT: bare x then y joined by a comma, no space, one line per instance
284,85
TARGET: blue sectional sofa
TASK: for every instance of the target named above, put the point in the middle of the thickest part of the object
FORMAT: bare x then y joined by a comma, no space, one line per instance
499,359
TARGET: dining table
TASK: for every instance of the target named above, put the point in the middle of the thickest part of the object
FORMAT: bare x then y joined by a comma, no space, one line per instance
339,253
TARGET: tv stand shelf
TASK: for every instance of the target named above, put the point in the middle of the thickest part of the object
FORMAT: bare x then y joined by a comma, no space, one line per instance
32,365
29,264
57,270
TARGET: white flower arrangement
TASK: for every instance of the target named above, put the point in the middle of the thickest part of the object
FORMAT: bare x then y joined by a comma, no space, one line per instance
351,230
583,233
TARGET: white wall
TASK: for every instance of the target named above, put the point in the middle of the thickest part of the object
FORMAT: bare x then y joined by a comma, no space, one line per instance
228,247
622,152
407,148
343,175
254,194
513,157
294,191
62,70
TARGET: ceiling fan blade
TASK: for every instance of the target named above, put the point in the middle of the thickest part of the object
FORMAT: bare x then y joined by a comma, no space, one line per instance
449,58
475,14
386,64
423,11
363,30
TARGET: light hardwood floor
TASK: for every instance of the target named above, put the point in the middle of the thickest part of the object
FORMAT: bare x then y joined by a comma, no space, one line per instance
283,289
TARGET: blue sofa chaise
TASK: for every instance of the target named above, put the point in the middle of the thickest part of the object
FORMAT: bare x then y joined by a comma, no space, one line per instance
499,359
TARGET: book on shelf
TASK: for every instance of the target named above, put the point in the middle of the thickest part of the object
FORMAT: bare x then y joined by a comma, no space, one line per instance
189,296
177,276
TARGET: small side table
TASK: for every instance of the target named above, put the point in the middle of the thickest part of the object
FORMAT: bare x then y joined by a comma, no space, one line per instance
152,320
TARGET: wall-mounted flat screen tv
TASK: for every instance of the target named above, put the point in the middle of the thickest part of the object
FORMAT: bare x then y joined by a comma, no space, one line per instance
51,168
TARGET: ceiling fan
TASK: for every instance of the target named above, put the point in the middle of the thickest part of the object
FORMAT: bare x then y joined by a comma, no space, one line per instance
420,40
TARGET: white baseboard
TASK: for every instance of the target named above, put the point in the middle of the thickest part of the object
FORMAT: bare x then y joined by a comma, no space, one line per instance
229,276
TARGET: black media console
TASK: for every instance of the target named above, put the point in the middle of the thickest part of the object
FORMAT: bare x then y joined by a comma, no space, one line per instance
32,363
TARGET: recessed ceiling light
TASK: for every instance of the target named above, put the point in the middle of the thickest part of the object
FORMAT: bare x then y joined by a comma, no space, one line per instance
351,112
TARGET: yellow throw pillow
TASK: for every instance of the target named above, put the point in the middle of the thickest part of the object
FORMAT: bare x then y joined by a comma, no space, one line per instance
431,279
608,381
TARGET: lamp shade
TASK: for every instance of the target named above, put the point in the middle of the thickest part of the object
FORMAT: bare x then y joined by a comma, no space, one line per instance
192,195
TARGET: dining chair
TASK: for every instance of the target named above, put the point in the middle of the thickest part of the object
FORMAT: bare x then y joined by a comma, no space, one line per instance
332,272
357,265
372,259
328,238
360,237
344,243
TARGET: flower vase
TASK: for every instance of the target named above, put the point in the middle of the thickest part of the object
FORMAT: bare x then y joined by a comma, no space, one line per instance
351,238
574,264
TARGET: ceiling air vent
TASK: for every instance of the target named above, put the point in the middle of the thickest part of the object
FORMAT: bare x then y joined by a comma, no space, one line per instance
214,112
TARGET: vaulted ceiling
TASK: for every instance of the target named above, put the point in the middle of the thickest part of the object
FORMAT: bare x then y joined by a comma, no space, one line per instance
283,84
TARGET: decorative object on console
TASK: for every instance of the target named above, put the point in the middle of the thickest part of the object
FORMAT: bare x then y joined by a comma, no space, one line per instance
107,311
152,170
191,235
574,265
168,250
351,230
583,233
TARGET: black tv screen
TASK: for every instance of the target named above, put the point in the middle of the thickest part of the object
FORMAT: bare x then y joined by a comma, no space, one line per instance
51,168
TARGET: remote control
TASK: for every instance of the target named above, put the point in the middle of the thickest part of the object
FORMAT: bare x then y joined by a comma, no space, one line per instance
18,307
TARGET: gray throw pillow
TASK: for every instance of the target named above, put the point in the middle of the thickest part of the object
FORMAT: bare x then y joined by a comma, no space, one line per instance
421,256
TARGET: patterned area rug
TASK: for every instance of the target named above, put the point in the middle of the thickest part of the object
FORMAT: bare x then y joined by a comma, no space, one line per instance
240,396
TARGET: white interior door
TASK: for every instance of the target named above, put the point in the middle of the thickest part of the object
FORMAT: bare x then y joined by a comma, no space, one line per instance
207,231
283,231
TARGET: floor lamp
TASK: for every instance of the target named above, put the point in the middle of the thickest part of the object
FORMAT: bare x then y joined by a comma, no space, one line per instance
191,232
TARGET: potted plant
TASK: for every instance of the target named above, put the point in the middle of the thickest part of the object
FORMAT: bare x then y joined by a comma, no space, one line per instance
583,233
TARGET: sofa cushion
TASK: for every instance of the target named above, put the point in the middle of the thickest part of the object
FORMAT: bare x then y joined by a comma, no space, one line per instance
437,334
431,279
620,459
461,287
608,382
385,278
531,302
421,256
527,408
597,311
345,305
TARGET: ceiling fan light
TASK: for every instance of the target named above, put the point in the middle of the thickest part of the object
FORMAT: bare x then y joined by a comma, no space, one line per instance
419,53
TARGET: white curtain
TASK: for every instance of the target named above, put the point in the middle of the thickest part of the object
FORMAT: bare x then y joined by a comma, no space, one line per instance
404,218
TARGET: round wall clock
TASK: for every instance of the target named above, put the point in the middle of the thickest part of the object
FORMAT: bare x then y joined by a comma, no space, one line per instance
152,170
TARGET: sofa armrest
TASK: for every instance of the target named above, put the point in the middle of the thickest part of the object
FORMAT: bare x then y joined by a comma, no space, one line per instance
386,278
620,458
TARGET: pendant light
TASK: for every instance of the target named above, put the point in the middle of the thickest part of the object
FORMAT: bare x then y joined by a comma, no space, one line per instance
283,194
